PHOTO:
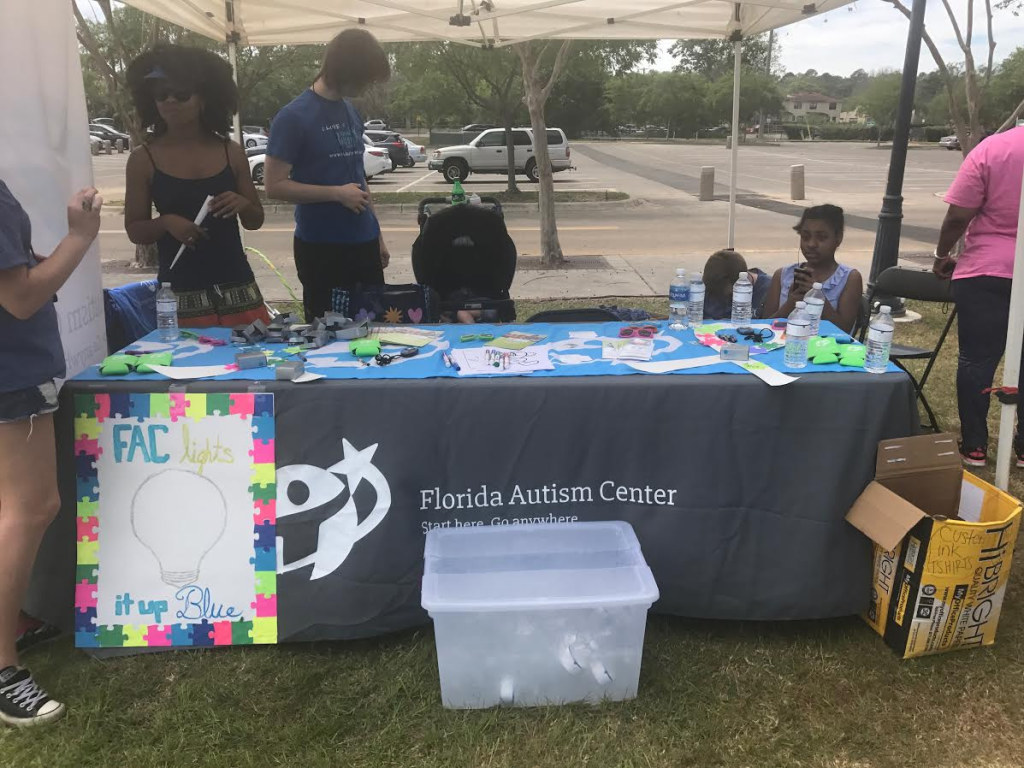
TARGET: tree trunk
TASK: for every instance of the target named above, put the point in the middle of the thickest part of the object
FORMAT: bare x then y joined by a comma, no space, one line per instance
510,159
536,96
146,256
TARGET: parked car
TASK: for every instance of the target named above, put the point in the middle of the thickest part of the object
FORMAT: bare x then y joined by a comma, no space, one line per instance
477,127
714,132
417,153
250,140
375,125
394,144
949,142
106,133
258,130
375,162
486,154
104,121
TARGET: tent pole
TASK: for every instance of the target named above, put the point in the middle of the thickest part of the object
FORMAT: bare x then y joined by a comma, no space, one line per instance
1011,361
737,48
233,58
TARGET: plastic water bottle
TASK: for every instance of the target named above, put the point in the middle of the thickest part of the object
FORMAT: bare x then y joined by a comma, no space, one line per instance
742,298
695,309
815,301
678,301
167,313
879,341
798,333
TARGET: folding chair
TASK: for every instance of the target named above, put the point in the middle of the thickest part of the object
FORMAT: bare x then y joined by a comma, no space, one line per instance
581,315
916,285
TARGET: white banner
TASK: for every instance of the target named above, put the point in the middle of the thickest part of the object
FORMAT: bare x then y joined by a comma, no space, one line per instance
44,153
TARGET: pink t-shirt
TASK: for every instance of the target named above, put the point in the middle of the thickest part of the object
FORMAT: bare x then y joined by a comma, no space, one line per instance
989,180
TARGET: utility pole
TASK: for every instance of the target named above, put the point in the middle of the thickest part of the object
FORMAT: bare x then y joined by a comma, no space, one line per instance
890,219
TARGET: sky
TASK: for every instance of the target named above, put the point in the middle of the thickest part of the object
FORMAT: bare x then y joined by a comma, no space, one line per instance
880,33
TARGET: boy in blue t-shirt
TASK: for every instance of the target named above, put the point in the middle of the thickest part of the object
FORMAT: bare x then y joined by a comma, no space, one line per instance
315,160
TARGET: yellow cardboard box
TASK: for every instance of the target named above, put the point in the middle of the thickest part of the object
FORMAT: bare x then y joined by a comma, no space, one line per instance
944,544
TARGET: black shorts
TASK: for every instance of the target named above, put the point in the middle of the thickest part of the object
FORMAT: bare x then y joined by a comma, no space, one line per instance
322,267
25,403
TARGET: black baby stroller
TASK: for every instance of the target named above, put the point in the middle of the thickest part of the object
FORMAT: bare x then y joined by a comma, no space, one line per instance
464,252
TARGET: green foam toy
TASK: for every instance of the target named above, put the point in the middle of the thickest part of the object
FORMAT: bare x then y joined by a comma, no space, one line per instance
825,358
853,356
118,365
364,347
154,358
823,345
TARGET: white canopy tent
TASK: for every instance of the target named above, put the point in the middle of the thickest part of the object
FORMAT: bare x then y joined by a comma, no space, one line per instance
491,23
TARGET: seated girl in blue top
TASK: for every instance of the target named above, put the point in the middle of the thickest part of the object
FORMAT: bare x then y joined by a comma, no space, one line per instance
821,234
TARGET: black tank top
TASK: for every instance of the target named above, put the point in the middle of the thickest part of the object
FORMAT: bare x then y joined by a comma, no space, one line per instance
217,261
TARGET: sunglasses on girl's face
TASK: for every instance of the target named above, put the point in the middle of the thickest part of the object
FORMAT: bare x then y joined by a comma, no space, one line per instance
179,94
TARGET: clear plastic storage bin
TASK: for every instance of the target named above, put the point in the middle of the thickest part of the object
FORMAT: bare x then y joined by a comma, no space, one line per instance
537,614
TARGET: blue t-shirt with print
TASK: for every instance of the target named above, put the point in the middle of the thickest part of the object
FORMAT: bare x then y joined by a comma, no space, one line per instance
322,140
30,350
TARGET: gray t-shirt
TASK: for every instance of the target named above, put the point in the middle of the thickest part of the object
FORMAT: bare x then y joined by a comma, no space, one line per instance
30,350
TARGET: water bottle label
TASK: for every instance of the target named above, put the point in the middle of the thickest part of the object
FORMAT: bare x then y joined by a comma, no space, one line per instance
167,305
797,330
881,335
815,308
678,293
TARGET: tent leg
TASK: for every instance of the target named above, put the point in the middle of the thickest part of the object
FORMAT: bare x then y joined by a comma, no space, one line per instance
233,58
1011,361
734,160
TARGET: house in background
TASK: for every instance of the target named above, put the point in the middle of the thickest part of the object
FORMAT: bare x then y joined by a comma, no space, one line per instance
813,107
856,116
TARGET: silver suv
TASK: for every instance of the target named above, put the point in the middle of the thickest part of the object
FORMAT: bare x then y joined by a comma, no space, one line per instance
487,154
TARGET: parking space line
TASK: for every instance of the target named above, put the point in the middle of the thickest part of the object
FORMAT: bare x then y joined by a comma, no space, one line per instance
427,175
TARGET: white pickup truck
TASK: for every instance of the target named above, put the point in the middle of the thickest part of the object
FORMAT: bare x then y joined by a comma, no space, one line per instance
487,153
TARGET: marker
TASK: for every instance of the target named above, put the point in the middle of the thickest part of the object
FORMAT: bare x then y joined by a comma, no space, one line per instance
447,360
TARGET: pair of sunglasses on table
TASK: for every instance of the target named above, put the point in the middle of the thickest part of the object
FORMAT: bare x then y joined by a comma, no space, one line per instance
638,331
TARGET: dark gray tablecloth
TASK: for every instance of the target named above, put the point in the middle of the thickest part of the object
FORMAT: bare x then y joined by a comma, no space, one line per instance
736,490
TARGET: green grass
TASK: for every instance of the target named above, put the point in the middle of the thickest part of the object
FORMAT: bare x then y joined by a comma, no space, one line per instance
826,694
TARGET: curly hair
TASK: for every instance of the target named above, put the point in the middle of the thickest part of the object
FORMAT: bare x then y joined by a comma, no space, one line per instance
206,73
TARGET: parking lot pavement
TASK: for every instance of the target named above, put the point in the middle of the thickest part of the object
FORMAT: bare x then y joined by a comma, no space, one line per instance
632,248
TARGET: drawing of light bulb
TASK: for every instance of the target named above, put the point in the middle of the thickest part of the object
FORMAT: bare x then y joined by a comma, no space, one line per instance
179,516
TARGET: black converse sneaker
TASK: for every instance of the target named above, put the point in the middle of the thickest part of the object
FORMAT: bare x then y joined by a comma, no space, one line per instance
23,702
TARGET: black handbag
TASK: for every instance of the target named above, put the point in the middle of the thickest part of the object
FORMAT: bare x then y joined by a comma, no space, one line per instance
410,303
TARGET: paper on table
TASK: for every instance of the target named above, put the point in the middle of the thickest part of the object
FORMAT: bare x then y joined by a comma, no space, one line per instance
476,361
516,340
765,373
627,349
405,337
205,209
185,372
667,366
308,376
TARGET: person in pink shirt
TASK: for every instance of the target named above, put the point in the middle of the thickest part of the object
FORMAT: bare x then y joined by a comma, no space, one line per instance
984,203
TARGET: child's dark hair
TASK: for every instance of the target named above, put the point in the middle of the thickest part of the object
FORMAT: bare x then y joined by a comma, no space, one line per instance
721,271
353,61
830,214
202,71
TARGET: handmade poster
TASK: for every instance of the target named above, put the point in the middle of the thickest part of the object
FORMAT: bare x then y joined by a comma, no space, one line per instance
176,503
405,336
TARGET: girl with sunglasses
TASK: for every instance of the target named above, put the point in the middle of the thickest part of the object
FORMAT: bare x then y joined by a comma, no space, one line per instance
188,97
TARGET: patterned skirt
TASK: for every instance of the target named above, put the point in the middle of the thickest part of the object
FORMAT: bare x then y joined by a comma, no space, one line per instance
225,305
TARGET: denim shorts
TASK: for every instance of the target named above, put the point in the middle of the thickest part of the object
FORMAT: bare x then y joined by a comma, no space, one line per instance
25,403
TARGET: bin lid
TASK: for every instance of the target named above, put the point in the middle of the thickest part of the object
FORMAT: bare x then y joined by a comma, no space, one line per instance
535,567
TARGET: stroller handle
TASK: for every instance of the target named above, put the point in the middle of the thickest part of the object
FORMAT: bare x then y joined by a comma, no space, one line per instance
484,199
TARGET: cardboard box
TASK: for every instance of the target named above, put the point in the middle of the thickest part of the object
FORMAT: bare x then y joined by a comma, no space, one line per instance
944,544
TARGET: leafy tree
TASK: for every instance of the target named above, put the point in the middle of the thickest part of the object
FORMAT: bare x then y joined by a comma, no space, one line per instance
715,58
759,94
676,100
880,99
